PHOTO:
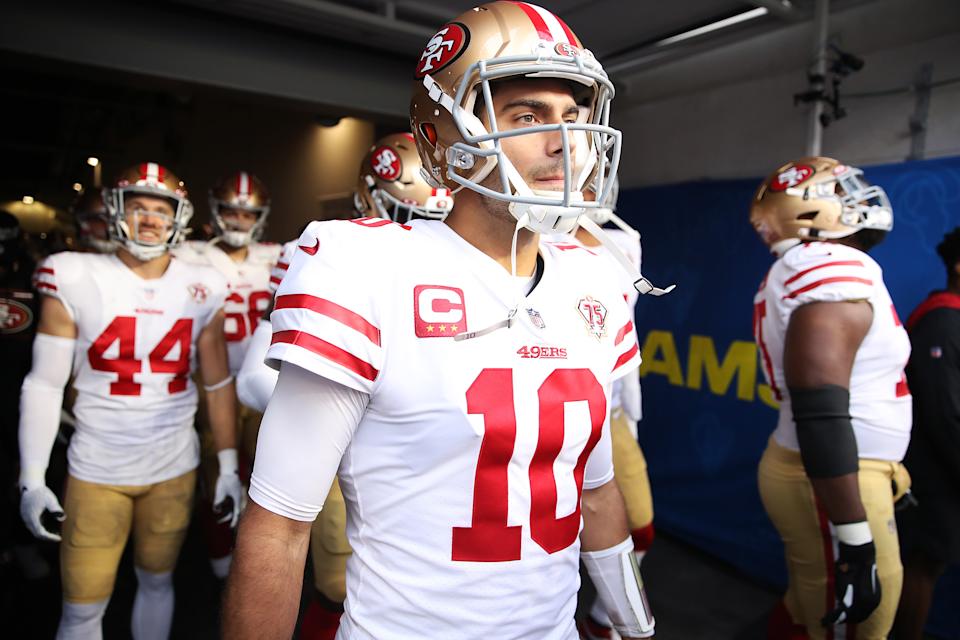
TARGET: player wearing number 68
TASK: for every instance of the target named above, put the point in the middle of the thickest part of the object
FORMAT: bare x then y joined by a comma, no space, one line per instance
129,328
475,479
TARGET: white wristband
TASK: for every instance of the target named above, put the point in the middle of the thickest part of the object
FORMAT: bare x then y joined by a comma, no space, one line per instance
218,385
854,534
616,576
228,461
32,477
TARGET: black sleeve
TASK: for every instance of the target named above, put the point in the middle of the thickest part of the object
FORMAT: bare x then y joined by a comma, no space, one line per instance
933,374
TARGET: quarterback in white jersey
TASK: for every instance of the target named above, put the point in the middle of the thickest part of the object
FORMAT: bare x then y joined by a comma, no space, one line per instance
456,373
131,327
833,351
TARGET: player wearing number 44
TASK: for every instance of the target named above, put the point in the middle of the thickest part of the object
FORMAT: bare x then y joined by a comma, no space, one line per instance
130,328
239,206
833,351
455,374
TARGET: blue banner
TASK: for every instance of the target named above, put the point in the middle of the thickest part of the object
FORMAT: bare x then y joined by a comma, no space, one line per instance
707,411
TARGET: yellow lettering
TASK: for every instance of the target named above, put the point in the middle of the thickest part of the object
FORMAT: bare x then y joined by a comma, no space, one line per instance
740,361
765,393
660,357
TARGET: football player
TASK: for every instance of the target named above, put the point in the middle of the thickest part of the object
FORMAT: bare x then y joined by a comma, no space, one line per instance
833,351
239,206
389,186
131,327
457,372
930,530
629,464
92,222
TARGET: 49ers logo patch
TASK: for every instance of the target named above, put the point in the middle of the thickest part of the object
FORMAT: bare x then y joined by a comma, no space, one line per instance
444,47
14,316
386,163
795,175
594,313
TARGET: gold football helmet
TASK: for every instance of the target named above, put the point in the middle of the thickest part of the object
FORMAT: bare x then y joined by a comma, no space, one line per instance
453,77
390,185
240,190
92,220
817,197
148,179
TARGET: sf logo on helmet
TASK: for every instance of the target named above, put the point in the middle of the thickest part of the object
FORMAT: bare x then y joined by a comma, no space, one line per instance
443,48
386,164
792,177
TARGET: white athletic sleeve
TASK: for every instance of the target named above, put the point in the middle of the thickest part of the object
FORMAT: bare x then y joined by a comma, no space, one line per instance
41,396
308,424
255,380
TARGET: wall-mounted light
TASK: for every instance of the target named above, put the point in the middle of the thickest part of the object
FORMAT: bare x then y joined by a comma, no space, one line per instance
93,161
77,187
27,200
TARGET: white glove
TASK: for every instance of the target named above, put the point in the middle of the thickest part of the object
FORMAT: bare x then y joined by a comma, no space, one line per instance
630,396
33,502
228,487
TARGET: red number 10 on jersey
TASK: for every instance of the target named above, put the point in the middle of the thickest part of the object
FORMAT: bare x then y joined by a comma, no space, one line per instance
490,538
126,364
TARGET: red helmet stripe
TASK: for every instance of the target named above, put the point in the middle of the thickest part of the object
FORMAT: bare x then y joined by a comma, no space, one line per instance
538,22
161,173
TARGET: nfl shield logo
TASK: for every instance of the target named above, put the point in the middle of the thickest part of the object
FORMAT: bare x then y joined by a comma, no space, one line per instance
536,319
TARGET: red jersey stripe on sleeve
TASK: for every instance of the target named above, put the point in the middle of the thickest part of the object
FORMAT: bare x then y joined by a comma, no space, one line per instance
626,355
46,285
836,263
275,280
45,270
326,350
820,283
624,331
283,266
332,310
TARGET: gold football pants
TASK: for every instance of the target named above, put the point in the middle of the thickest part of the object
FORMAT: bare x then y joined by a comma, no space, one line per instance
630,470
329,549
811,549
98,523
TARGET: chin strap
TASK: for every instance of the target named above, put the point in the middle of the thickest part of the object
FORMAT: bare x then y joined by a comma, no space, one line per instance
511,318
641,284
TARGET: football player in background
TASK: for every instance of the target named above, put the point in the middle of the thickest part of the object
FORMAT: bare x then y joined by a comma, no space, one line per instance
629,464
389,186
131,327
467,425
930,530
833,351
239,206
92,222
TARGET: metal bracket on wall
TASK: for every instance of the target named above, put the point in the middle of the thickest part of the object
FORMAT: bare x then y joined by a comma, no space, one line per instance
921,109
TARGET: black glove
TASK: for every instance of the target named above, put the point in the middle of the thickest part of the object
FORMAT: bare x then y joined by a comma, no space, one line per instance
857,584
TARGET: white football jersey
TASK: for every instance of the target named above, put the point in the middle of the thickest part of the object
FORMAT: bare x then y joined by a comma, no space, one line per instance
283,263
629,244
248,287
880,404
464,476
132,363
